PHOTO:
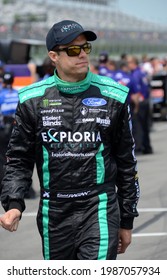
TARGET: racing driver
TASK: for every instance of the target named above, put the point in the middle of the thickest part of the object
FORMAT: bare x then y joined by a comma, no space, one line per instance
76,127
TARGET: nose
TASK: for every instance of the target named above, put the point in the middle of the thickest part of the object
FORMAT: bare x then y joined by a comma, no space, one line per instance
82,53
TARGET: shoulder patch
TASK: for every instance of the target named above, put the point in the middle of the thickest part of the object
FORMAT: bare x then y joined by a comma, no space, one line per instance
111,88
35,90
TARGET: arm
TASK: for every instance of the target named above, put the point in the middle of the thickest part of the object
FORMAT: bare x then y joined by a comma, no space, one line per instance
20,161
127,179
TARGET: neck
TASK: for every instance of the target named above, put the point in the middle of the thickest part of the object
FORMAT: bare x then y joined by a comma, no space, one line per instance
71,78
75,86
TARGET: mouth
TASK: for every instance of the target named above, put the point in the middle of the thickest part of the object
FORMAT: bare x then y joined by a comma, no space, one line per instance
83,63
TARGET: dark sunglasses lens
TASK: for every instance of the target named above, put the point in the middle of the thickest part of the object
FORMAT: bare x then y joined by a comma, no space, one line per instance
74,51
87,48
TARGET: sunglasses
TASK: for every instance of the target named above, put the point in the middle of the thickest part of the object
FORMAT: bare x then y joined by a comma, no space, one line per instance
76,50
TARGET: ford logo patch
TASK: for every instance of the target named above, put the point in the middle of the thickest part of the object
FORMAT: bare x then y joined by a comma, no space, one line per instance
94,102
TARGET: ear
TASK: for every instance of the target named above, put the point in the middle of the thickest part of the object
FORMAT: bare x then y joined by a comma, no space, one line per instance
53,56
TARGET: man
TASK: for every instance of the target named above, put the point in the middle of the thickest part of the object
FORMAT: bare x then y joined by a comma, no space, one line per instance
76,126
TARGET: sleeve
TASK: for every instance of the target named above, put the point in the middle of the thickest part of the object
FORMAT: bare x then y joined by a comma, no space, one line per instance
128,189
20,160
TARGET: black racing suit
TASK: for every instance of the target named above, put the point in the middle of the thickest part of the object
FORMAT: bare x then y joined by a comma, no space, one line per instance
79,135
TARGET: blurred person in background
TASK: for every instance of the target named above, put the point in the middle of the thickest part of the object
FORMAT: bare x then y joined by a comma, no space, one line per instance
146,66
164,63
1,80
94,66
107,66
48,68
111,66
122,75
76,126
157,65
103,60
8,103
1,73
123,57
142,121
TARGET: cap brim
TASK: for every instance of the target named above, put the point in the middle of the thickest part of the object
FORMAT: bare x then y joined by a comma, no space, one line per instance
90,35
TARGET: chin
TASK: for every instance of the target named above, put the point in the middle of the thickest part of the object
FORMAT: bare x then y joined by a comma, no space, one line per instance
83,69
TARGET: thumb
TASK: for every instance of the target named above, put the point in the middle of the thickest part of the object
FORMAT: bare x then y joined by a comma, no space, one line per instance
15,225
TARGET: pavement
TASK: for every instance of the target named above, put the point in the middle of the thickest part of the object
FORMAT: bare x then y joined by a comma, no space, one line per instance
149,240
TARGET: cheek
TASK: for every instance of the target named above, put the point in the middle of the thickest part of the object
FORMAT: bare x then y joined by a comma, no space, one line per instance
68,64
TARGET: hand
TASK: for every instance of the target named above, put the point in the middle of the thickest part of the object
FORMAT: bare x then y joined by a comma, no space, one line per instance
125,236
10,220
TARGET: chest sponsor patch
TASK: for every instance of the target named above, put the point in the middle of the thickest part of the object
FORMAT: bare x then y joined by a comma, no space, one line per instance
94,102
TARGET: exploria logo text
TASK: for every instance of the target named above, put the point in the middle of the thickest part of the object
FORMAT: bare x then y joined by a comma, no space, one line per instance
94,102
52,135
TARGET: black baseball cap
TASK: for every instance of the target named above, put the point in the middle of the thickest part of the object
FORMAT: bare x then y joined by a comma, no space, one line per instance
103,57
66,31
8,78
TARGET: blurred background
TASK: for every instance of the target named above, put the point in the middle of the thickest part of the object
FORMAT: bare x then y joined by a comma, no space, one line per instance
123,26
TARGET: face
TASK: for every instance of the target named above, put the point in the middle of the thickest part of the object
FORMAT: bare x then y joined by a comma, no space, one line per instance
132,62
71,68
